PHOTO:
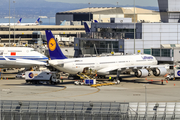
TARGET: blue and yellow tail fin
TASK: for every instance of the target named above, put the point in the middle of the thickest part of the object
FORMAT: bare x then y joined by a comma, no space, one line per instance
54,49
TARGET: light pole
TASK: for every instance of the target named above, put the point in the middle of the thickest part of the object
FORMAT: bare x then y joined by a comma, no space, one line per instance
89,11
116,10
14,20
134,29
9,23
145,99
49,20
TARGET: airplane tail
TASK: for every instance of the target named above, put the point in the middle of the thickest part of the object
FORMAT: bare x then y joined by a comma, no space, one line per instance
86,28
37,21
54,49
95,21
19,21
63,23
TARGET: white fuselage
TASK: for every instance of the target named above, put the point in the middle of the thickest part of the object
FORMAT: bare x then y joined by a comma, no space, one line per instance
18,57
7,24
28,24
75,65
18,24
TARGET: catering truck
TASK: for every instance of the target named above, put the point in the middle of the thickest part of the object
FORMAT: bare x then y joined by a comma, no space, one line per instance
41,77
174,73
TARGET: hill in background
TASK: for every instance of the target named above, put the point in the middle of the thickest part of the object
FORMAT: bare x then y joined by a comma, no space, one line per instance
35,8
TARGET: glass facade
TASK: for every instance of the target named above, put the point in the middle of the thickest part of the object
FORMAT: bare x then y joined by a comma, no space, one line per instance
156,52
91,46
172,53
160,52
173,45
165,52
116,33
147,51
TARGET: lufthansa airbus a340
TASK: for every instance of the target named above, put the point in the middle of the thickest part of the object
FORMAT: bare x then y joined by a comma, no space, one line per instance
140,64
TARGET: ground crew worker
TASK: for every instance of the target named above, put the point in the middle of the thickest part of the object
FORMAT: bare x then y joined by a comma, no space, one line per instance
61,79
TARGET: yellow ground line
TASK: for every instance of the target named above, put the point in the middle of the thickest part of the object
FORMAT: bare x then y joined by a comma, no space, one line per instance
53,90
43,92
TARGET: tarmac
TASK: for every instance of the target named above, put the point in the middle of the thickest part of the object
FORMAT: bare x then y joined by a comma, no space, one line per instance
131,89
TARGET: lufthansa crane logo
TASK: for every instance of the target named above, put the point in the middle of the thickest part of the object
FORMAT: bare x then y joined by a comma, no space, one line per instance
52,44
178,73
31,75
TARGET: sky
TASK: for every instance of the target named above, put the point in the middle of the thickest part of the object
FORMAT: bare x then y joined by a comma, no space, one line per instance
120,2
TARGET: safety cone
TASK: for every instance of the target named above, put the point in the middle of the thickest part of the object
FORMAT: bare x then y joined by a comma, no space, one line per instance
174,84
162,82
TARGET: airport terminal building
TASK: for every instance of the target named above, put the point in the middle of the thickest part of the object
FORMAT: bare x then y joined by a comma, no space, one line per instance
103,15
125,30
156,38
150,38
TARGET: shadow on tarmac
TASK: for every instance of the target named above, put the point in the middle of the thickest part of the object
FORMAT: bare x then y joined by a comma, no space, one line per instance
49,85
134,79
143,82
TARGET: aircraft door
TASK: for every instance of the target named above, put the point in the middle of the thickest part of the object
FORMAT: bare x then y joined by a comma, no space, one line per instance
132,62
73,65
5,52
96,65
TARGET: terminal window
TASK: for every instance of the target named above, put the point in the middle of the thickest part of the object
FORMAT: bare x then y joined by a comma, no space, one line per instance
147,51
165,52
156,52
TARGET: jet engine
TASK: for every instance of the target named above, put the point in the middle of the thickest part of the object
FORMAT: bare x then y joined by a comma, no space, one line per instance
141,73
159,71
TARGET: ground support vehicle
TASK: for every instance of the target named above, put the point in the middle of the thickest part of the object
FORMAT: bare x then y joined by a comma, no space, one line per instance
175,74
41,77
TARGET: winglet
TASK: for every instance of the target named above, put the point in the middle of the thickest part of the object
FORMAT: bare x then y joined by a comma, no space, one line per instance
54,49
86,28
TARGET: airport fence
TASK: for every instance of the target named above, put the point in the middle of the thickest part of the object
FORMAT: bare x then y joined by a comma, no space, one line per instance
61,110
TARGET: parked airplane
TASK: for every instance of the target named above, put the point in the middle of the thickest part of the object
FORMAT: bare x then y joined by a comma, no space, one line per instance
17,23
20,57
87,29
140,64
28,24
95,21
63,23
